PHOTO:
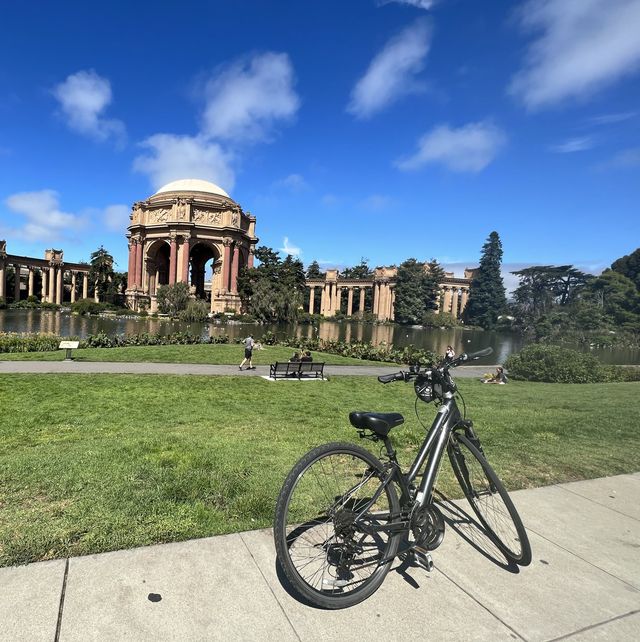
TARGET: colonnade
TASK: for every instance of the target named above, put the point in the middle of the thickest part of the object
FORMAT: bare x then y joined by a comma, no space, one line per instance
454,299
51,269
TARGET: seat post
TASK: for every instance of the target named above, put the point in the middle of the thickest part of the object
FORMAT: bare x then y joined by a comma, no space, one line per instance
390,451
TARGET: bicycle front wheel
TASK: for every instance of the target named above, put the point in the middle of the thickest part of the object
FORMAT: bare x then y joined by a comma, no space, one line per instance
325,526
489,499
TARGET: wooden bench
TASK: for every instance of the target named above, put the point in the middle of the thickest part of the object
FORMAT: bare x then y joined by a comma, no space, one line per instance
299,369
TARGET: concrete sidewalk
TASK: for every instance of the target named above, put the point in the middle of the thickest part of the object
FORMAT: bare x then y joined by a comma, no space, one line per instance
110,367
583,584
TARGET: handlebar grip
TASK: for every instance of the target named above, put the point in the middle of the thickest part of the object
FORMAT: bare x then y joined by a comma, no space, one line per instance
396,376
481,353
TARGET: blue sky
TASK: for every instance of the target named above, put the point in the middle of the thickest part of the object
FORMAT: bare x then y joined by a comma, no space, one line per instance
360,128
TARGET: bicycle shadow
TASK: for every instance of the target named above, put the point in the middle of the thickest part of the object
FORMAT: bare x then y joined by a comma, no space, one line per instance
472,532
469,530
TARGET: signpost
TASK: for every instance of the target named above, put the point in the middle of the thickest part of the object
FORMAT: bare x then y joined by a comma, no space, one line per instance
68,346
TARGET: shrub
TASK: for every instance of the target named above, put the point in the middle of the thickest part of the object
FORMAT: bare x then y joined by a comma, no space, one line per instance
14,342
196,311
173,298
88,306
555,364
442,320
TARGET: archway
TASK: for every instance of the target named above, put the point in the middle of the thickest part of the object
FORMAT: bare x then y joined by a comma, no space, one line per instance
158,265
205,261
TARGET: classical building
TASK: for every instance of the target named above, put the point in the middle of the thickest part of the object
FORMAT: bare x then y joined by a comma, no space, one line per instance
52,270
454,293
186,227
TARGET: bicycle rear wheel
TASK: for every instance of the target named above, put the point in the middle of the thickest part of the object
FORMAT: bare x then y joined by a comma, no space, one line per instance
323,535
489,499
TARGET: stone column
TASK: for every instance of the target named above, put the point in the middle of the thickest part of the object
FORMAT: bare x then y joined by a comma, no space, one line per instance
186,248
312,293
73,286
43,286
173,259
252,250
30,287
226,265
140,263
85,285
3,280
323,299
454,304
350,302
447,299
361,306
59,286
235,267
338,305
463,301
376,299
51,290
393,303
16,284
132,249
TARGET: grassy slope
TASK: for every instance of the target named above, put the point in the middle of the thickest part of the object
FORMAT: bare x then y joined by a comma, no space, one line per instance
98,462
213,354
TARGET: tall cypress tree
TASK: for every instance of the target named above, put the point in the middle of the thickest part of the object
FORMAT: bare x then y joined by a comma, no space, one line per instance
487,299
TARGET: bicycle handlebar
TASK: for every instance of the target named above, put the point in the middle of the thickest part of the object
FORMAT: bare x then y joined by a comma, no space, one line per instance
405,376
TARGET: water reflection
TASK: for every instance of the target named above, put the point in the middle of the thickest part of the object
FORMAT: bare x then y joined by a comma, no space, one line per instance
462,340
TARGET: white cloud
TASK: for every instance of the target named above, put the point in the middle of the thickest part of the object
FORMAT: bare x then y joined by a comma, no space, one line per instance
45,220
290,249
573,145
581,46
418,4
116,217
83,98
392,73
377,202
626,159
612,119
246,98
294,183
330,200
467,149
172,157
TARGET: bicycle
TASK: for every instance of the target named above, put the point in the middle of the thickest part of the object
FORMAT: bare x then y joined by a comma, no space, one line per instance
342,513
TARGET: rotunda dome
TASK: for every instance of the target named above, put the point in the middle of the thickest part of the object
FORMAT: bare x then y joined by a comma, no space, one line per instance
192,185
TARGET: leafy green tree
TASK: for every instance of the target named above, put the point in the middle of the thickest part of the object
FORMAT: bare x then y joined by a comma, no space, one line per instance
411,293
618,297
314,271
275,289
433,277
629,266
172,299
101,270
487,298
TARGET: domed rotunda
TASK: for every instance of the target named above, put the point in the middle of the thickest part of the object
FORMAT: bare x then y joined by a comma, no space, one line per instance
192,231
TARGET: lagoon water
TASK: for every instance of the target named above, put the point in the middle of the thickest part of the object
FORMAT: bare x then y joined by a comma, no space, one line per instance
503,343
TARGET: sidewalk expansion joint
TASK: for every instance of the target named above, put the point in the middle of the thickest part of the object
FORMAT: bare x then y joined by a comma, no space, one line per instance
275,597
568,636
61,607
566,550
483,606
615,510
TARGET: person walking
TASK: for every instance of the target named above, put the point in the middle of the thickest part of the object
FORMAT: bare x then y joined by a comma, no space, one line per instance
248,352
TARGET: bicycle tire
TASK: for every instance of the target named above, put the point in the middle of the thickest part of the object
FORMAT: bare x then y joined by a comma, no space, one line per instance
489,499
312,529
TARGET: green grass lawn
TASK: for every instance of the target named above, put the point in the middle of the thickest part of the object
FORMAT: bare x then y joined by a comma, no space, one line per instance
92,463
216,354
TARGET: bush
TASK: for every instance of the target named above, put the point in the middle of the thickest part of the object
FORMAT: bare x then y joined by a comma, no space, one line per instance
89,306
555,364
14,342
173,298
196,311
442,320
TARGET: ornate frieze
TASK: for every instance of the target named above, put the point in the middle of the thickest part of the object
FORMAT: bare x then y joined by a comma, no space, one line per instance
206,217
161,215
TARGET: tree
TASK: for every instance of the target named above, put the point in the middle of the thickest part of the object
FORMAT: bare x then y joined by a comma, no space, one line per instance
434,275
275,289
101,271
487,299
314,271
618,297
173,298
415,294
360,271
629,266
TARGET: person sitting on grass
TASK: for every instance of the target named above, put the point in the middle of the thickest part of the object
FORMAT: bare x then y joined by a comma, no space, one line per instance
306,356
498,377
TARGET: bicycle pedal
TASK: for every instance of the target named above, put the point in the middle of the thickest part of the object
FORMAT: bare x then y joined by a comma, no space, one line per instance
423,559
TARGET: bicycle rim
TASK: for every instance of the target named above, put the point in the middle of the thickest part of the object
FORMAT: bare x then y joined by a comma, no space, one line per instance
490,500
327,506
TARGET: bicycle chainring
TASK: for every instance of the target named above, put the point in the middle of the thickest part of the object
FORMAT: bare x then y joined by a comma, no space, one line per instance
427,525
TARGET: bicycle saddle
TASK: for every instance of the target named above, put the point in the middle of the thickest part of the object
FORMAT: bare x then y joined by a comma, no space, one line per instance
379,422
